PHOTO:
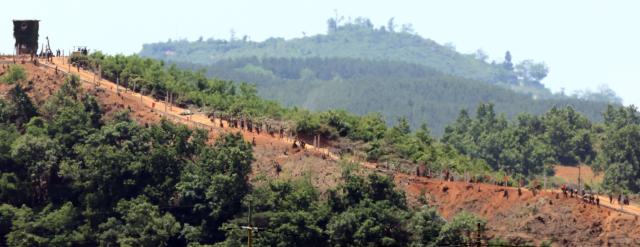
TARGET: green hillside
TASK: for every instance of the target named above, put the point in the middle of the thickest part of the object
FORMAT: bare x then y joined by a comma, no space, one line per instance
357,39
363,69
395,89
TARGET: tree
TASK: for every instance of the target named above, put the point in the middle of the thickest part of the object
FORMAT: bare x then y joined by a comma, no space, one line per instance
507,64
139,223
460,230
293,228
22,105
332,26
567,132
620,157
369,224
481,55
211,190
619,177
49,227
40,156
426,225
391,26
531,73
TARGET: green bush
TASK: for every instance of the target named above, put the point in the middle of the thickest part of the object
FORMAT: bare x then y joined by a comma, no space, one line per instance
14,74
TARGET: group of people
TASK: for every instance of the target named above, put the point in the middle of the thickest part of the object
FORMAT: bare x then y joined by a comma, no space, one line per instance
83,50
49,54
622,199
586,197
592,198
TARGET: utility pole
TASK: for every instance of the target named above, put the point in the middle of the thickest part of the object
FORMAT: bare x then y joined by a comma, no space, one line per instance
579,180
249,228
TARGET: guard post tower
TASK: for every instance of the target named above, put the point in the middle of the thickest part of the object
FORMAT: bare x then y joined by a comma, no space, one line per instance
25,33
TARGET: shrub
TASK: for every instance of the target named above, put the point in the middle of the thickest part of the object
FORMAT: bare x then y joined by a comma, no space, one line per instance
14,74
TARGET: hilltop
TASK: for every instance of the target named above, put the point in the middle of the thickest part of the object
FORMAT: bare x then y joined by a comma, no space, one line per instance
357,39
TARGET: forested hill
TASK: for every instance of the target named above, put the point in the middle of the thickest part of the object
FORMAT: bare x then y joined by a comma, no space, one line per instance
363,69
395,89
357,39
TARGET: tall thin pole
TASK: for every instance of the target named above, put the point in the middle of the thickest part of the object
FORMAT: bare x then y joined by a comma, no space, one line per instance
250,239
579,180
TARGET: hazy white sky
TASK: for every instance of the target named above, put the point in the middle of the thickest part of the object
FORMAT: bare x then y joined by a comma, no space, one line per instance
585,43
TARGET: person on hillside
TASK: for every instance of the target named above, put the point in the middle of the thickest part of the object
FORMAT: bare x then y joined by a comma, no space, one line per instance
610,199
619,198
469,186
598,201
571,192
277,167
445,189
626,200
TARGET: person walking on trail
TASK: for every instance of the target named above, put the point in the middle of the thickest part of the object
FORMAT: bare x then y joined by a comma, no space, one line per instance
619,198
610,199
598,201
571,192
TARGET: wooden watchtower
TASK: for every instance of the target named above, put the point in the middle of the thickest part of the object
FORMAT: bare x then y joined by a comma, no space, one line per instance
26,35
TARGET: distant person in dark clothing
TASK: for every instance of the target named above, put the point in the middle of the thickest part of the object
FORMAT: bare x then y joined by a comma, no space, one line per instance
619,198
610,199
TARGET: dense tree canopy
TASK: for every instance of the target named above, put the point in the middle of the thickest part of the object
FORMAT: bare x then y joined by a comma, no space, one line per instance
526,145
70,176
620,158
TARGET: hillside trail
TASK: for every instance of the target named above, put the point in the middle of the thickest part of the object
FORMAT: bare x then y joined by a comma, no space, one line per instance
201,120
